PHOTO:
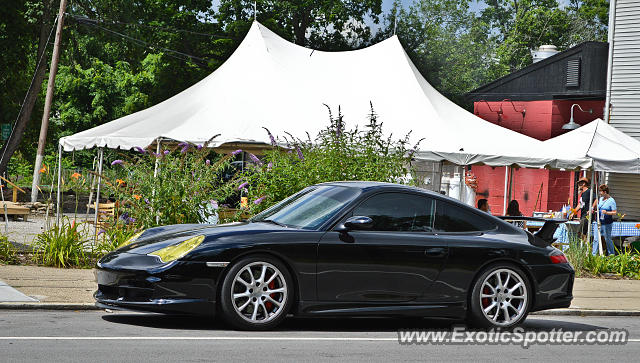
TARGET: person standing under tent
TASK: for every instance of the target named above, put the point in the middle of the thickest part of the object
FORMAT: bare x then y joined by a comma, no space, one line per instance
584,185
513,210
607,209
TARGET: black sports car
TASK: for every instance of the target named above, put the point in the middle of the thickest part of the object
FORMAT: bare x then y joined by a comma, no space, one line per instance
343,248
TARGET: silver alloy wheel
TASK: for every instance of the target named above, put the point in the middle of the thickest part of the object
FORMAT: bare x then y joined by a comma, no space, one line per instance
503,297
259,292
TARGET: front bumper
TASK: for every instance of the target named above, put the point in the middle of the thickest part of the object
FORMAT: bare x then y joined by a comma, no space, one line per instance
181,288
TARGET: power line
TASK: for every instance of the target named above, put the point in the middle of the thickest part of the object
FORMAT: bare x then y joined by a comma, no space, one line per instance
170,52
84,19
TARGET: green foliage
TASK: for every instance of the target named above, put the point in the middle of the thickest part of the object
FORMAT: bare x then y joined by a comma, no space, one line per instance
112,236
625,263
336,154
62,246
8,252
323,24
189,183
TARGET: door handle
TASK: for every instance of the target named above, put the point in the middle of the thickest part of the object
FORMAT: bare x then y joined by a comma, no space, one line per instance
436,252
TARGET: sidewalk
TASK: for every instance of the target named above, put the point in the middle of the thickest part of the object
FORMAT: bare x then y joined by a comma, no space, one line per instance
54,288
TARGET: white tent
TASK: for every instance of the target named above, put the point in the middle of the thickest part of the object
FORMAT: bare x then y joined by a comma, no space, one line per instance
600,146
270,82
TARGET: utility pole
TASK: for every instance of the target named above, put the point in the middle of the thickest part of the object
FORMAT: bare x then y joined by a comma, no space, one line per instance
47,103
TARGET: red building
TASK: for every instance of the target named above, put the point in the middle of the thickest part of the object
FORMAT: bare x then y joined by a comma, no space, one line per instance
536,101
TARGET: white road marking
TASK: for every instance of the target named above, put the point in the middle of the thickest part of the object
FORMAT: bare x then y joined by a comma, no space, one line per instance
345,339
206,338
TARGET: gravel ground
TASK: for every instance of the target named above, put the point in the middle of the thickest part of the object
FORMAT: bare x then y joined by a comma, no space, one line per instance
24,232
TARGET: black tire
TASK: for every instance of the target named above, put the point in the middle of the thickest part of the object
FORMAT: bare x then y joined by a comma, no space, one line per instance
496,315
267,314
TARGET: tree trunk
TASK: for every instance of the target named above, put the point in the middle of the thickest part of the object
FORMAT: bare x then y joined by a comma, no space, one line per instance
32,94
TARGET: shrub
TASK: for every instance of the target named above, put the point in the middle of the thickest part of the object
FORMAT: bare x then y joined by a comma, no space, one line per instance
8,252
336,154
625,264
62,246
189,180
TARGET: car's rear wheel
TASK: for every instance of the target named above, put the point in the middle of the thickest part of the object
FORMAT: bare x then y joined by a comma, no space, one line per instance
500,297
256,293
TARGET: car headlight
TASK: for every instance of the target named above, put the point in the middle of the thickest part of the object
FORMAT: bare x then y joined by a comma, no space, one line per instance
131,239
178,250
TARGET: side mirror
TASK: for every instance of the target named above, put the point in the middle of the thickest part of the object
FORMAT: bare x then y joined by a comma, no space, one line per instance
355,222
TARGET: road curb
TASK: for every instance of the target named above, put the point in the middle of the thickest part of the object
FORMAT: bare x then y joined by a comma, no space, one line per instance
48,306
587,312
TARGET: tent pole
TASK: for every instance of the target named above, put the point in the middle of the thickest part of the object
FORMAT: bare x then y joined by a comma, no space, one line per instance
589,242
506,181
600,252
462,171
58,212
155,169
100,156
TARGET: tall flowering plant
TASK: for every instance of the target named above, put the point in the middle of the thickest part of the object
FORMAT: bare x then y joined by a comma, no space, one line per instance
336,153
181,184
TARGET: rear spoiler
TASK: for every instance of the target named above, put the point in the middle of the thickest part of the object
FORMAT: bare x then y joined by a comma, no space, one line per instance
544,236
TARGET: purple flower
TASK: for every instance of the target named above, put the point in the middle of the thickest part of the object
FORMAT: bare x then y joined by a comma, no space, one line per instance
300,156
183,144
214,204
101,232
117,162
243,185
269,166
258,201
199,147
271,138
208,162
166,152
140,150
146,200
185,148
155,154
255,159
193,174
236,152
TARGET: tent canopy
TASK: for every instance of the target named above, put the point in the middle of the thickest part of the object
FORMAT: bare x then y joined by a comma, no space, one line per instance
600,145
270,82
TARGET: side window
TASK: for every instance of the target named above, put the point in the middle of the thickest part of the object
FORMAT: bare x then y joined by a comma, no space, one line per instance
452,218
398,212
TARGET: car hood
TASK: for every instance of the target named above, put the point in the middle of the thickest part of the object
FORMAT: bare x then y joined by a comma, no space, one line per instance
156,238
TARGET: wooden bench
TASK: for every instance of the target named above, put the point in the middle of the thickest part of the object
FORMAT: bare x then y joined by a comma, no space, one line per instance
14,209
106,211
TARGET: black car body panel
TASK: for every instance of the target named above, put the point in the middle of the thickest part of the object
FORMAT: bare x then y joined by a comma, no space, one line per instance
424,273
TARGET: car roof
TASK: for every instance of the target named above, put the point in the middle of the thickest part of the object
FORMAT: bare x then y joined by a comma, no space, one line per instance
373,185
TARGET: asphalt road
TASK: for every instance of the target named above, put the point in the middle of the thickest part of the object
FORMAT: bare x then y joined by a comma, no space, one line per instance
73,336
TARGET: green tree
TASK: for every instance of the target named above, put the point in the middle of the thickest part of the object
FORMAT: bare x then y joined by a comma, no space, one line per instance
324,24
446,42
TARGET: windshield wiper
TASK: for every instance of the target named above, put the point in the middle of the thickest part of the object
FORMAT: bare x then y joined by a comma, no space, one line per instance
274,222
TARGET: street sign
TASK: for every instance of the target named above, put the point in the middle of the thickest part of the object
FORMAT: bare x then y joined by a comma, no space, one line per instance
6,131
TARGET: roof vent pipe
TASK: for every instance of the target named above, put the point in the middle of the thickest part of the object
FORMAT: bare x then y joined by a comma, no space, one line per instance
544,52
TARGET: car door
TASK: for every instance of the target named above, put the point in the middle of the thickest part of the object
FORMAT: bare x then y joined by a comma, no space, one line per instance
471,240
397,260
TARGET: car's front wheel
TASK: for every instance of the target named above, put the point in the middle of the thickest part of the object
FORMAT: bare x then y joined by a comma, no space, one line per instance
500,298
256,293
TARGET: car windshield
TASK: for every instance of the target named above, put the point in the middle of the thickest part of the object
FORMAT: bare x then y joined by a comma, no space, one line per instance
309,208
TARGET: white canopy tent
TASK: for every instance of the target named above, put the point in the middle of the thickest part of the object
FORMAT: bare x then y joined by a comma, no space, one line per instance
270,82
602,147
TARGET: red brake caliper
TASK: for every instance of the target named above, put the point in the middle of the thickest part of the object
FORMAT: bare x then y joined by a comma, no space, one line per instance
485,300
269,304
